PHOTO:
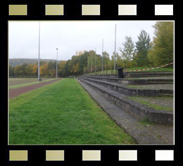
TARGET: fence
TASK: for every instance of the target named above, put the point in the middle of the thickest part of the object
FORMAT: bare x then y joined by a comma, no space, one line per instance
108,69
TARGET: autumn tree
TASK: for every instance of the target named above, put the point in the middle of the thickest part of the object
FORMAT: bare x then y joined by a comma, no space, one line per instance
106,60
29,70
80,52
45,69
61,70
162,44
16,70
11,71
75,64
35,69
20,70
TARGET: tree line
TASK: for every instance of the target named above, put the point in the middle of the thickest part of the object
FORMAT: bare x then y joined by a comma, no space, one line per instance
143,53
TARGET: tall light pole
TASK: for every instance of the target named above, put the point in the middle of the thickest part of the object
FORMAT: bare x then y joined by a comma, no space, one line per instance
39,55
56,62
91,62
102,53
95,59
115,49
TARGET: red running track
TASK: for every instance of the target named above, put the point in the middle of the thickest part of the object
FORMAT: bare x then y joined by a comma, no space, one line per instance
18,91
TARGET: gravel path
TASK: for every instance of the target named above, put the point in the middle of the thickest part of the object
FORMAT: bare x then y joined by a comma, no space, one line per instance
18,91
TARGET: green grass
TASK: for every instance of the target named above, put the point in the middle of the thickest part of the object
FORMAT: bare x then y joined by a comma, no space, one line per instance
61,113
146,122
148,102
163,69
27,84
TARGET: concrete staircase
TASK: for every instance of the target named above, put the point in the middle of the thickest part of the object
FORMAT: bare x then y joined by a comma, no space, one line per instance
118,93
115,93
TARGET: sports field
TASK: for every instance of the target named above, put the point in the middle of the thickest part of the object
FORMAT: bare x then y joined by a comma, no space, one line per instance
20,86
21,82
61,112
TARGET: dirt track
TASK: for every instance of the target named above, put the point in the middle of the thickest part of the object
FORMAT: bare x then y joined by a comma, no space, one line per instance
18,91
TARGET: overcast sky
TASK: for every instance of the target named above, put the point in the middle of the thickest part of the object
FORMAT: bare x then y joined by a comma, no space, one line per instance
71,36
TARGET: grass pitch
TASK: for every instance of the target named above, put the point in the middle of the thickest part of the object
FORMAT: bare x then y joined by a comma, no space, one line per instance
61,113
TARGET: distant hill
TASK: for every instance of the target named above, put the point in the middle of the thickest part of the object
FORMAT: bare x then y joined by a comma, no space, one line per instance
20,61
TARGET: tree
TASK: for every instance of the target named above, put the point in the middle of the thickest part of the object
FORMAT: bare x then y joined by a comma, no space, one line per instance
29,70
67,68
17,71
11,71
142,48
75,68
45,69
52,68
51,65
128,49
41,70
162,44
118,59
83,63
106,60
34,69
91,61
61,66
75,64
127,53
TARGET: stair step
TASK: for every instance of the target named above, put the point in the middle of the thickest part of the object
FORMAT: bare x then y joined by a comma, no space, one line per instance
143,134
136,109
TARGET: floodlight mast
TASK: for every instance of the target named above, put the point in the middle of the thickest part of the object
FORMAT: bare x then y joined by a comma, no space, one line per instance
39,55
102,54
95,60
91,63
56,61
115,49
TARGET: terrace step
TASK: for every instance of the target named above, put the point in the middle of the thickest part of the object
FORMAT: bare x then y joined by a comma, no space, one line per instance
136,109
146,81
148,74
130,91
142,134
136,81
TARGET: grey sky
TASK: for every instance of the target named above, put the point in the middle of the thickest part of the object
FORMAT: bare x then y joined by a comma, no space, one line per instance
71,36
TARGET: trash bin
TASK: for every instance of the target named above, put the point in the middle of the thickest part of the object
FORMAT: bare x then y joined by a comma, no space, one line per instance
120,72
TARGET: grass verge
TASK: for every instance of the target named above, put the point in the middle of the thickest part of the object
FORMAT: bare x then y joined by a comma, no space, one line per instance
163,69
146,122
158,103
61,113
